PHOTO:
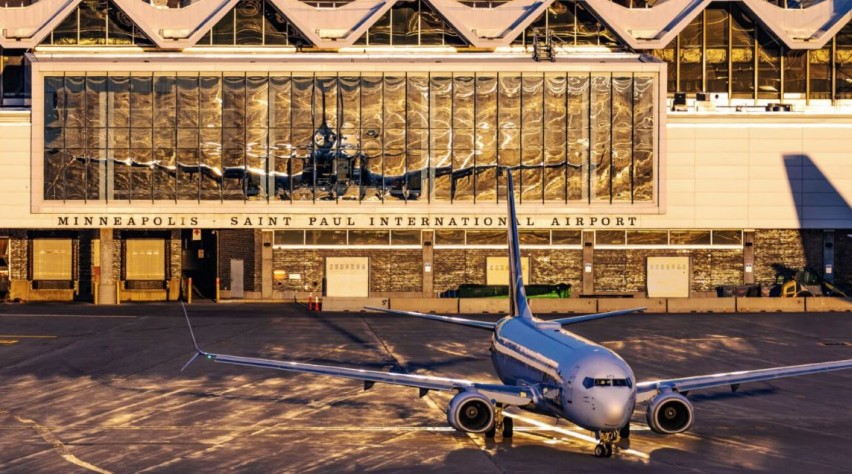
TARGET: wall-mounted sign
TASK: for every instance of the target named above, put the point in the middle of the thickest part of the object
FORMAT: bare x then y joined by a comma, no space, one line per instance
367,220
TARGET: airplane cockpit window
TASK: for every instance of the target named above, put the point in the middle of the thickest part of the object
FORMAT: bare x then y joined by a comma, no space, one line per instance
589,382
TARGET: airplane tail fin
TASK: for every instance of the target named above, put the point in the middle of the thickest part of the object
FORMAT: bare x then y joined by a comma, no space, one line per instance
517,292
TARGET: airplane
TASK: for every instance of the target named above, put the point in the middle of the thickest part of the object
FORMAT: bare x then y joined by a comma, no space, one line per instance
545,369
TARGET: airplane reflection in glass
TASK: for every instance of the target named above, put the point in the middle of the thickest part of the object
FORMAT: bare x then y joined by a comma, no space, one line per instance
546,369
331,169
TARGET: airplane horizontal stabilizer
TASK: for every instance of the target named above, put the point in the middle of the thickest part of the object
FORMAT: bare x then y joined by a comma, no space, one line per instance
437,317
590,317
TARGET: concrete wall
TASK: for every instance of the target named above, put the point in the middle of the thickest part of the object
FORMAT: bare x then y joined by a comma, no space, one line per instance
756,171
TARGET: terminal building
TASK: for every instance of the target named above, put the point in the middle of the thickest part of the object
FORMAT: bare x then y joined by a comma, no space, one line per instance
268,149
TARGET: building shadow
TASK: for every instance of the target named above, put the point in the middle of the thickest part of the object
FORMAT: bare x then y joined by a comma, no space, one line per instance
823,214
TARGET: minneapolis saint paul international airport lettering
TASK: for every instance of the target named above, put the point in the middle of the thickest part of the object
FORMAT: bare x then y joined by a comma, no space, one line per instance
302,221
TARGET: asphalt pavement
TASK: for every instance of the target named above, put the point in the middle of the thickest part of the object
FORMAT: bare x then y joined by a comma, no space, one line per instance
99,389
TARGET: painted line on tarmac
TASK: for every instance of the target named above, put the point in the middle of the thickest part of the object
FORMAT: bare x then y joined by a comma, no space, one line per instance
13,336
26,315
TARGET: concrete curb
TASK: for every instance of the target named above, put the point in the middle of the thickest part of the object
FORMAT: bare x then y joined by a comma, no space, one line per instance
594,305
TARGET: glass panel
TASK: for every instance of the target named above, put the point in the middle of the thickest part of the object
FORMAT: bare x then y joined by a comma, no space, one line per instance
369,237
257,123
727,237
644,102
647,237
716,55
289,237
441,119
463,138
795,72
601,152
486,237
141,177
486,138
820,73
578,137
555,137
689,237
534,237
566,237
66,32
405,237
742,53
121,30
689,55
769,66
843,63
449,237
249,22
622,139
93,22
325,237
609,237
532,138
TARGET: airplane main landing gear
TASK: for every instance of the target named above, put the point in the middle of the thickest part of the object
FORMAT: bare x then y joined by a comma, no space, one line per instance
604,447
501,423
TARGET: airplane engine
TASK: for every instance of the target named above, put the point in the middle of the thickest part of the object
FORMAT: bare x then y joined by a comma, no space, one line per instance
669,413
471,412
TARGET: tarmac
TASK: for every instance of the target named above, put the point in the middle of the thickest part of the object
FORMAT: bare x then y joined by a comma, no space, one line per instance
99,389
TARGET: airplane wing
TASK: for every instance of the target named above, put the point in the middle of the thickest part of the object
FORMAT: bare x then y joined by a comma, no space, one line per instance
590,317
647,390
437,317
516,395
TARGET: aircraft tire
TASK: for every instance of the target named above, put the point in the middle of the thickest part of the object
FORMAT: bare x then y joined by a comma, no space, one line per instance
508,427
491,432
600,451
624,432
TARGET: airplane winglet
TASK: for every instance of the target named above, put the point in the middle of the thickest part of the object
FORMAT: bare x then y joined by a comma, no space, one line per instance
191,332
198,351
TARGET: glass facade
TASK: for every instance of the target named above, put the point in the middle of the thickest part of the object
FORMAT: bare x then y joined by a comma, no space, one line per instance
412,23
97,22
724,50
575,138
253,23
572,25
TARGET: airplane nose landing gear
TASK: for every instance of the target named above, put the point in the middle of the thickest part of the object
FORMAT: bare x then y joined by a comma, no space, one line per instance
604,448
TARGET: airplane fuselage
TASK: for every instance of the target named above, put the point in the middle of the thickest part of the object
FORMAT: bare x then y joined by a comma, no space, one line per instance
591,385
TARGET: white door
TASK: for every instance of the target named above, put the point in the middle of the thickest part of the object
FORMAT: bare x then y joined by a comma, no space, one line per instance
347,276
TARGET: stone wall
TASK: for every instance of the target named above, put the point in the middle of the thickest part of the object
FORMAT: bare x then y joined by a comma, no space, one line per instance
391,271
18,255
618,270
785,251
454,267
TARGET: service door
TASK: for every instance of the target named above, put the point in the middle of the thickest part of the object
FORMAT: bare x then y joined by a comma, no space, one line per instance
347,276
497,270
237,273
